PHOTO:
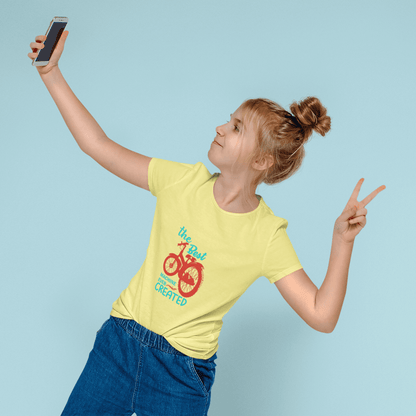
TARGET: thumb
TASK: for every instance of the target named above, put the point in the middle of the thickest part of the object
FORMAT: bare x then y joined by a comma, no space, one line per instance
351,211
348,214
63,37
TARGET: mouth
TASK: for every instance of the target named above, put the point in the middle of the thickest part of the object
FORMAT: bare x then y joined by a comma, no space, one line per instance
217,143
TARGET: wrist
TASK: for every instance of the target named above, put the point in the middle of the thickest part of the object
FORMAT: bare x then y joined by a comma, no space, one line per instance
52,71
338,239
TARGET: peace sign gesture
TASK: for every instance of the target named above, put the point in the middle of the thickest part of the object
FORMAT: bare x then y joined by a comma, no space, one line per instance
352,220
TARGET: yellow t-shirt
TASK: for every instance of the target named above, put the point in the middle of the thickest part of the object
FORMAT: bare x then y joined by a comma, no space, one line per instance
200,259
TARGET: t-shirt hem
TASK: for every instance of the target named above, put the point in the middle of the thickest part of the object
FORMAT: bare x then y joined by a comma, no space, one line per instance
175,345
119,315
190,353
285,272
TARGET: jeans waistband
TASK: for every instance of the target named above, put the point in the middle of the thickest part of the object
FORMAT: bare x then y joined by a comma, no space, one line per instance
146,336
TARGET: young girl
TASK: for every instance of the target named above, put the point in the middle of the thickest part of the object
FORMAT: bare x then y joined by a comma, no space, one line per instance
212,237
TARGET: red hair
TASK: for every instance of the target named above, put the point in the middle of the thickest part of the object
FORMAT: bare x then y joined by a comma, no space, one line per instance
280,135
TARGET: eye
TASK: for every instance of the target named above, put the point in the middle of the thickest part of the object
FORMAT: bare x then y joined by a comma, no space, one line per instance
235,126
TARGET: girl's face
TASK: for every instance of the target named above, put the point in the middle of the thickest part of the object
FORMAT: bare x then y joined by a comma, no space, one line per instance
232,138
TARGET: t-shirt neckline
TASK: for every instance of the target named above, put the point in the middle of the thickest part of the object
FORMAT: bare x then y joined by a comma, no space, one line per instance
213,180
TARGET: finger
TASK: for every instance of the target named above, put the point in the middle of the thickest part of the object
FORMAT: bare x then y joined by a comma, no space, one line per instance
33,55
356,191
370,197
36,46
40,38
348,214
360,220
362,211
356,218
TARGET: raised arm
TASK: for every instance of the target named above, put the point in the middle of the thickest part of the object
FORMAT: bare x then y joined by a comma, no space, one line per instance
126,164
321,308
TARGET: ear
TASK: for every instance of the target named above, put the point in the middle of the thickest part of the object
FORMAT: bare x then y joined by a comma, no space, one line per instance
264,163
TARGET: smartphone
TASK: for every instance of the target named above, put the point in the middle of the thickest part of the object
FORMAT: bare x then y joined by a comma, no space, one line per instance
53,34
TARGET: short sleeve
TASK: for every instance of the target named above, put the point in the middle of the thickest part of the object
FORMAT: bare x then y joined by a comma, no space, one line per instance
164,173
280,258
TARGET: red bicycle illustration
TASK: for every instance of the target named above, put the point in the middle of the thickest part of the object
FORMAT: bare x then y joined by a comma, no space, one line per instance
189,271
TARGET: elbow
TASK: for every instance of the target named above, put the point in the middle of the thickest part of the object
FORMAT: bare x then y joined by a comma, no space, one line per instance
325,327
320,322
327,330
324,323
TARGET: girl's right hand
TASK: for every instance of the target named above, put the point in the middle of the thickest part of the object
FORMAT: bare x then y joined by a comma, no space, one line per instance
53,61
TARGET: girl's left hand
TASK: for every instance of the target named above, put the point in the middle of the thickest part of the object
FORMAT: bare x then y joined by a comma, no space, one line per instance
352,220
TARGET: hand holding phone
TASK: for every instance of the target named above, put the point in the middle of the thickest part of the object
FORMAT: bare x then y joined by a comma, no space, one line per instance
50,46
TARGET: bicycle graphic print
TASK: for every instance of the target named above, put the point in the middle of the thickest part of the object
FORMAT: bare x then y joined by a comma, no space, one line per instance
189,271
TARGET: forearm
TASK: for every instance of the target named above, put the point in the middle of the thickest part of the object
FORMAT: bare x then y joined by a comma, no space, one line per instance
80,122
330,296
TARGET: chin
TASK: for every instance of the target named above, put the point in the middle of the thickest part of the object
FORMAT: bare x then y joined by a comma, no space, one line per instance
210,158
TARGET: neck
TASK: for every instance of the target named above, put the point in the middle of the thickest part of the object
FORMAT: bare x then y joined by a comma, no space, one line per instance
232,195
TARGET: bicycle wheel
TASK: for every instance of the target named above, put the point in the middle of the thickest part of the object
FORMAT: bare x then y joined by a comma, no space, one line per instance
171,265
197,275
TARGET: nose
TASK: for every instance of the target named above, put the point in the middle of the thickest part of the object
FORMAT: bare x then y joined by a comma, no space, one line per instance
220,130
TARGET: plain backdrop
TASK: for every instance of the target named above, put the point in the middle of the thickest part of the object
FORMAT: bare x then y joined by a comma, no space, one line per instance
159,76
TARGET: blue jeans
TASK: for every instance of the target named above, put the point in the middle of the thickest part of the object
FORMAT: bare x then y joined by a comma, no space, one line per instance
132,369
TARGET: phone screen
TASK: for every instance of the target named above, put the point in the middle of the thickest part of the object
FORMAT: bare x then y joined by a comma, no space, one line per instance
52,38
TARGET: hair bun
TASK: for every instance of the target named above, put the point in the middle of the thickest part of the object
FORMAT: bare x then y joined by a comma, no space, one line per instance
311,115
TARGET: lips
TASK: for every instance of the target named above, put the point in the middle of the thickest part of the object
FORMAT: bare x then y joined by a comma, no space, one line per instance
217,143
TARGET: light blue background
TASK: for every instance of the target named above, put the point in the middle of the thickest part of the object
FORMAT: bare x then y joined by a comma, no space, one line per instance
159,77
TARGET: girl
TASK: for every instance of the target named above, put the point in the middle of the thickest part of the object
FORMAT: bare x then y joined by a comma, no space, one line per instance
211,238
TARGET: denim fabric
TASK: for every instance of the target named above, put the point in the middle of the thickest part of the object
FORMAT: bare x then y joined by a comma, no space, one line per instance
133,370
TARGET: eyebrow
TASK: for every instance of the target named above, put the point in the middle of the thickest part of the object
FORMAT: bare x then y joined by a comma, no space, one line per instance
238,120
